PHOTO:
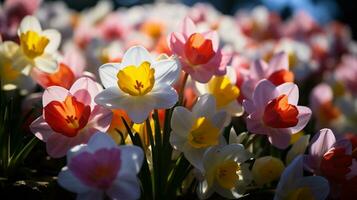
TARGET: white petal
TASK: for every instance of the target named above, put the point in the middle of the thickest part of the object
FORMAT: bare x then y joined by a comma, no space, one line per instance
111,98
135,56
201,88
178,141
68,181
125,186
291,90
205,106
108,74
29,23
163,96
231,74
234,108
101,140
234,152
219,119
166,71
292,172
55,39
182,120
195,156
46,63
132,158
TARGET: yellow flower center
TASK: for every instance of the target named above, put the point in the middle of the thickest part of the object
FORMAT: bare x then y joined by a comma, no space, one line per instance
227,174
303,193
136,81
222,89
203,134
33,44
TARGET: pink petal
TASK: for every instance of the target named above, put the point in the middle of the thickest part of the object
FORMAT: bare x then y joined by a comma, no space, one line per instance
291,90
54,93
100,118
320,94
187,27
177,42
85,89
249,106
201,74
254,124
41,129
278,62
321,143
303,117
263,93
279,138
75,60
259,70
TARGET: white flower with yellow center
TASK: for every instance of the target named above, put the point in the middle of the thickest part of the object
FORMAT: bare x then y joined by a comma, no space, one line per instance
10,77
225,172
194,132
37,47
138,84
293,185
225,91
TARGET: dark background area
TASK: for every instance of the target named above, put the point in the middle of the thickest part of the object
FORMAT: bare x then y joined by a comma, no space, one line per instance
323,10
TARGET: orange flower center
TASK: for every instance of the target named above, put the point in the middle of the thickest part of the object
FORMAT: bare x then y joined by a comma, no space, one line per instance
198,50
280,114
281,76
64,77
328,112
67,117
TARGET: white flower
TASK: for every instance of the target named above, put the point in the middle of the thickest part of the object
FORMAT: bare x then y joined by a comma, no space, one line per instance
293,184
102,168
194,132
37,47
225,91
225,172
138,84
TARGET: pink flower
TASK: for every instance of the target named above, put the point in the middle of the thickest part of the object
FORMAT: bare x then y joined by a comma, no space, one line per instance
199,53
101,168
277,71
273,111
70,117
330,157
347,73
321,103
69,70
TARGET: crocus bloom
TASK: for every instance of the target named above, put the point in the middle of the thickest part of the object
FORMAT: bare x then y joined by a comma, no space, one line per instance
70,117
193,132
199,53
10,77
101,168
293,185
138,84
277,71
267,169
225,91
225,172
273,111
330,158
321,100
37,47
70,68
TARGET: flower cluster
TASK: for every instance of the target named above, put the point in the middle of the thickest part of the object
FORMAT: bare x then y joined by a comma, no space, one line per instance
160,101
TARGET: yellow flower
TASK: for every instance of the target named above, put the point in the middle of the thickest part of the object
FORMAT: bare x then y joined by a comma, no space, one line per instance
267,169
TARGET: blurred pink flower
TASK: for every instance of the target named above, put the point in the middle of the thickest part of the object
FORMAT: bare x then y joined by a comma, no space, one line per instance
273,111
199,53
347,73
277,71
70,117
330,157
101,168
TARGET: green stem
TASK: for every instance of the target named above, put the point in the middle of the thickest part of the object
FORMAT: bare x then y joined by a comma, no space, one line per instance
182,88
